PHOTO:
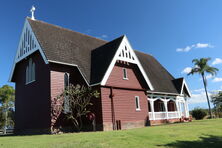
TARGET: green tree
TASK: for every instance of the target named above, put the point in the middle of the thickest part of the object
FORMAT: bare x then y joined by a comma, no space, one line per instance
7,98
201,67
77,102
216,99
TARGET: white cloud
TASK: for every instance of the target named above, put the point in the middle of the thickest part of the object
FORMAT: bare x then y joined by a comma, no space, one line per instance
198,98
217,61
186,70
198,45
198,90
203,45
217,79
209,76
104,36
186,49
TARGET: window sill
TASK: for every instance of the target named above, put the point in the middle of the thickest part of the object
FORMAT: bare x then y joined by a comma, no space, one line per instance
138,109
29,82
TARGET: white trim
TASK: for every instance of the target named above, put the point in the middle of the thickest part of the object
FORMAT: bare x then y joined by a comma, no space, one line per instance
164,93
32,46
185,84
119,56
137,101
63,63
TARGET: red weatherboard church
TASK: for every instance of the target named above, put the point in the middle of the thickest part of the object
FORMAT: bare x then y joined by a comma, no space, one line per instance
135,89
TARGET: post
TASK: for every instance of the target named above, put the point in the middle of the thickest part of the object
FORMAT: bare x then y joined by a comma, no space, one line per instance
178,108
166,108
186,108
152,108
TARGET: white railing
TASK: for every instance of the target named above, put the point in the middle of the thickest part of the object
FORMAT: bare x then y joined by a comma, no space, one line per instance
163,115
172,115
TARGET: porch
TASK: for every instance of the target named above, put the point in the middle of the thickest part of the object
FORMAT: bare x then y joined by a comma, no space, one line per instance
167,107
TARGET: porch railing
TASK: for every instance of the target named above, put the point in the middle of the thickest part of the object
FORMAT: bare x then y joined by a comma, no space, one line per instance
163,115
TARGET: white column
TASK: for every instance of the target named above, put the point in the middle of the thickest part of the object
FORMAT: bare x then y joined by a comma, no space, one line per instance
186,107
152,108
177,106
166,108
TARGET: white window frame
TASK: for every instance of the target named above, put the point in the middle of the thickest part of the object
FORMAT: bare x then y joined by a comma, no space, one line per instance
137,101
125,76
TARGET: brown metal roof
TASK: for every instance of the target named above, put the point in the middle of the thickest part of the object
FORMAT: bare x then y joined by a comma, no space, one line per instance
93,56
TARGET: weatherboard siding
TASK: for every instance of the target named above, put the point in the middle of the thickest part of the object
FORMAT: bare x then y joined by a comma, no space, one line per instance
124,99
124,106
32,101
57,72
134,77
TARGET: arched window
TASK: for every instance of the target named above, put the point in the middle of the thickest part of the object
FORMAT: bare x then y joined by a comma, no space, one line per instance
66,80
30,72
66,98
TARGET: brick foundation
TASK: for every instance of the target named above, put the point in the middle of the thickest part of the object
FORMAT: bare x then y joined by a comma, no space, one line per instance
158,122
108,126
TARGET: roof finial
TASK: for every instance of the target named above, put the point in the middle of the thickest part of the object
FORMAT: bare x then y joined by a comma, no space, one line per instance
32,11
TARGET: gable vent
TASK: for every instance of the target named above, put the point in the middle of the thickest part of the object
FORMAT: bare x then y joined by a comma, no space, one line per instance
126,55
27,43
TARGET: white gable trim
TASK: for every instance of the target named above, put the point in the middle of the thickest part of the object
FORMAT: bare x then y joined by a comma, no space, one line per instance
28,44
184,84
125,53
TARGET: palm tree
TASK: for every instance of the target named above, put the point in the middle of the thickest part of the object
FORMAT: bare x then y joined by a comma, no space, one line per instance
201,67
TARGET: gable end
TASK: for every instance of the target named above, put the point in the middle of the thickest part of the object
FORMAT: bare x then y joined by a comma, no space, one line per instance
28,44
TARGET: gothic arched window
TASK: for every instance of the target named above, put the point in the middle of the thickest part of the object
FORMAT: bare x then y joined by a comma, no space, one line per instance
30,72
66,98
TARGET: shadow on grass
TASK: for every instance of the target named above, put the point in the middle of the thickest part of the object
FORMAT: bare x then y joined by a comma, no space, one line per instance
208,141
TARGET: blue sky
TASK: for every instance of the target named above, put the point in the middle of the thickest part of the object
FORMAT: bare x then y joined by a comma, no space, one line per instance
173,31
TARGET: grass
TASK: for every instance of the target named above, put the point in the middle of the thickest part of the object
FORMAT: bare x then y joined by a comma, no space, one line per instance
204,133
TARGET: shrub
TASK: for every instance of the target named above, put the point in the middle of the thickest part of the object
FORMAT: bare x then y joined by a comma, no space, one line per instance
198,113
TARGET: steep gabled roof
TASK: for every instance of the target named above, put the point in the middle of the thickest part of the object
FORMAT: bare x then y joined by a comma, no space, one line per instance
160,78
181,86
66,46
178,84
101,59
93,56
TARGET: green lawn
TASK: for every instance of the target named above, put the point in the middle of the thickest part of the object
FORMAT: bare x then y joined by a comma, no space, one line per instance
198,134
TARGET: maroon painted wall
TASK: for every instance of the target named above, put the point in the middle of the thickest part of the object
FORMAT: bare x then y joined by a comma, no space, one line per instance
124,99
32,103
135,78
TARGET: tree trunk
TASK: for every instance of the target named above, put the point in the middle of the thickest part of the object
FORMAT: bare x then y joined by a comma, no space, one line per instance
208,101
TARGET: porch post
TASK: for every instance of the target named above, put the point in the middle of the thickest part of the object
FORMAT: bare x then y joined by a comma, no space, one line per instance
177,106
165,104
152,108
186,107
180,109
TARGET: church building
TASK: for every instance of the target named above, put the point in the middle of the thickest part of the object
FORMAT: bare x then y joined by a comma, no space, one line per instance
135,89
